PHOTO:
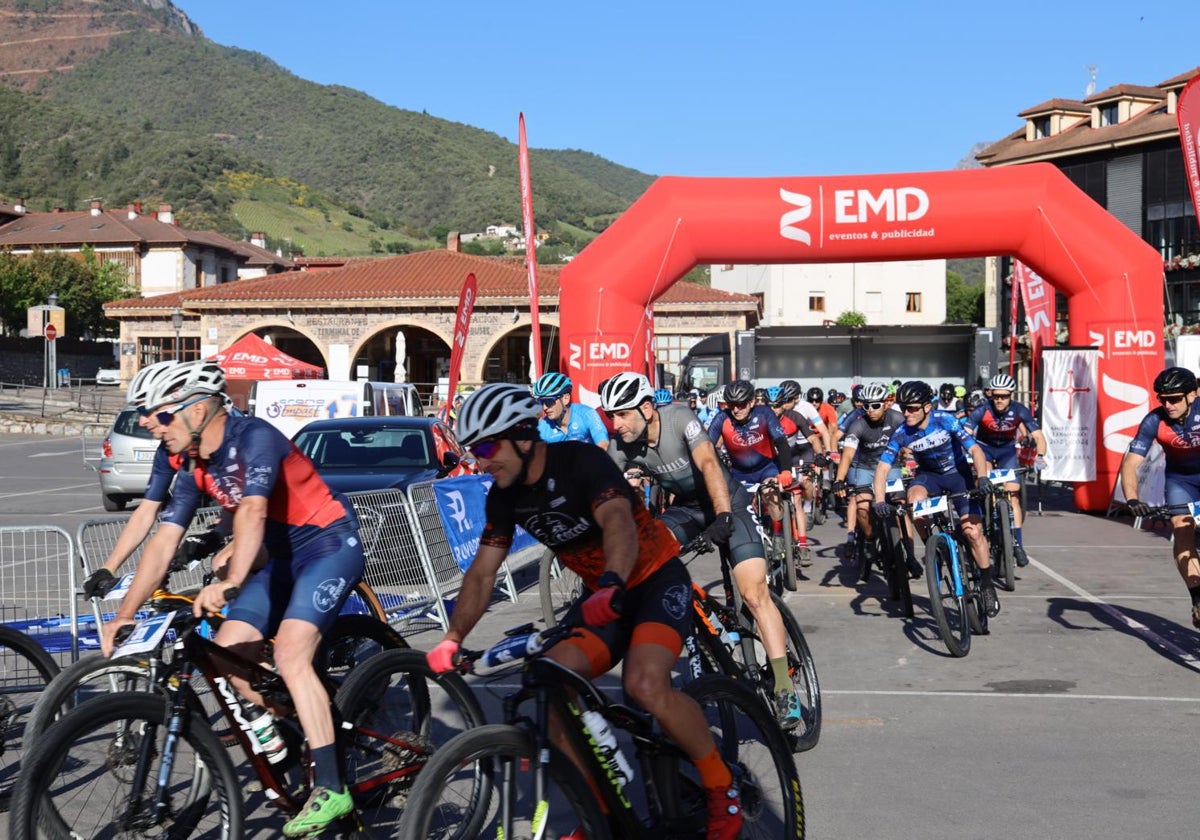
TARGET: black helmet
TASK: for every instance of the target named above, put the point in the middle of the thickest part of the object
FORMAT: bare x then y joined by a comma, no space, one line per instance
916,391
760,394
1175,380
789,389
856,393
815,395
739,391
946,391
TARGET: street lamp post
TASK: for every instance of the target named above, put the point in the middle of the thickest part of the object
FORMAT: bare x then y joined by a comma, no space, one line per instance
50,360
177,322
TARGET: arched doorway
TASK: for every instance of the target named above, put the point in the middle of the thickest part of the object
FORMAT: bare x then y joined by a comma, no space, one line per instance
295,344
404,353
509,358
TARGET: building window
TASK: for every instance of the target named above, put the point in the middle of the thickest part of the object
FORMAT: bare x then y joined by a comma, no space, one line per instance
1109,114
912,302
816,302
1170,221
158,349
1092,178
669,350
1041,128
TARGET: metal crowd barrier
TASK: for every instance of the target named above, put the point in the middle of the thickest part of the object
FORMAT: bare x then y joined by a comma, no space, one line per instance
37,590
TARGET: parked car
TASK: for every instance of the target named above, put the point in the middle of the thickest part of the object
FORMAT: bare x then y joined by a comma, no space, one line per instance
125,458
382,453
108,376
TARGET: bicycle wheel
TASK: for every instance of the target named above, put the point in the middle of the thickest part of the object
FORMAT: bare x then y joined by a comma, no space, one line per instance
558,587
893,540
81,781
789,543
972,594
402,714
948,609
25,671
818,502
1002,545
90,677
803,669
351,641
363,600
444,803
753,746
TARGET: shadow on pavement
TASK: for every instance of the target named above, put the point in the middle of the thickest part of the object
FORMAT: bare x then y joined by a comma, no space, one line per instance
1126,620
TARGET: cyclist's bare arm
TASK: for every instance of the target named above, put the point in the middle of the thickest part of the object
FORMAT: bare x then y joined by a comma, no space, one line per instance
140,523
704,457
615,518
1129,469
156,557
249,526
475,594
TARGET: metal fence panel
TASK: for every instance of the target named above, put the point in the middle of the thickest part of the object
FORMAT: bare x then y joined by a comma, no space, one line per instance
37,587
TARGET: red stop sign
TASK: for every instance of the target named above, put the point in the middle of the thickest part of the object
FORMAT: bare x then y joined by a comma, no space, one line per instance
51,332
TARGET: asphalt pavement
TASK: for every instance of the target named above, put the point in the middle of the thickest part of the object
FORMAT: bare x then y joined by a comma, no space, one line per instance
1077,717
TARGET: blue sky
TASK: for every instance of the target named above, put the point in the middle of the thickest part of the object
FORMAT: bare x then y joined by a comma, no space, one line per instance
723,88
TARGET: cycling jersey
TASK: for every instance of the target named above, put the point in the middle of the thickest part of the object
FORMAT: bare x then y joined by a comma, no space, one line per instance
1180,440
557,510
999,428
869,440
849,417
941,447
585,425
955,406
750,445
162,472
829,415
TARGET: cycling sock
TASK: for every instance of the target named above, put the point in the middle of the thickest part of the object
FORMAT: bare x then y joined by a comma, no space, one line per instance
1194,591
1017,537
714,772
776,527
780,669
802,539
325,768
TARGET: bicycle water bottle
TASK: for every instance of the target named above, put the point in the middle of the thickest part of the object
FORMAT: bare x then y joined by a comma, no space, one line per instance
603,735
729,638
268,736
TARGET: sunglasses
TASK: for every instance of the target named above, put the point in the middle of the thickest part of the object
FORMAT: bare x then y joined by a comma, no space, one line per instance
739,405
912,409
996,396
164,417
485,448
549,401
874,406
1170,399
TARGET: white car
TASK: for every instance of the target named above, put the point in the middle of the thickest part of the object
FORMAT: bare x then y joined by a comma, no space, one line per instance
108,376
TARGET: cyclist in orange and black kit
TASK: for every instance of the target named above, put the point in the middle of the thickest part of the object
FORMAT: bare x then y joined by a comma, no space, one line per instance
572,497
807,448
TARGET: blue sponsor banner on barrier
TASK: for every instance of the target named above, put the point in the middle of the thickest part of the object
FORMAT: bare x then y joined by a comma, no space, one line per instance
460,504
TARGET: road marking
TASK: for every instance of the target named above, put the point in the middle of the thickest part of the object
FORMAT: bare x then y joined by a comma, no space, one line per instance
1008,694
47,490
1188,659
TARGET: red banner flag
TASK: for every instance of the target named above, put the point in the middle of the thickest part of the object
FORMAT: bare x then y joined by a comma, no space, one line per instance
1038,297
1013,329
462,326
530,246
1187,115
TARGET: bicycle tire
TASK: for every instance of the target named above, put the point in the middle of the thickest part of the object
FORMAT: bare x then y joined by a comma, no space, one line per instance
401,712
803,669
436,808
972,595
84,679
751,742
789,542
1002,545
363,600
84,748
818,502
948,610
894,540
25,671
558,588
351,641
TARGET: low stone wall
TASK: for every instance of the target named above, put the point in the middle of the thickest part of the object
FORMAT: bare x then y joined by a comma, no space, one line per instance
24,424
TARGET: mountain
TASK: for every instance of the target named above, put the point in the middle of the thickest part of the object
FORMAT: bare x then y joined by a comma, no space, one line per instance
140,69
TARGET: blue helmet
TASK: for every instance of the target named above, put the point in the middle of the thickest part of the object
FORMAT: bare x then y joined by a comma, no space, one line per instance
775,395
663,397
551,385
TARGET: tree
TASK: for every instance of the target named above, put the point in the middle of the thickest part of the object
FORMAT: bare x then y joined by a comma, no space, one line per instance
82,283
851,318
964,304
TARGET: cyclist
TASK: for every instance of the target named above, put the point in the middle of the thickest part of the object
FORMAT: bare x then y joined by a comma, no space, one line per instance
699,405
670,443
573,499
807,448
940,445
850,410
793,395
310,537
563,419
828,412
1175,425
757,448
866,439
995,425
663,397
948,401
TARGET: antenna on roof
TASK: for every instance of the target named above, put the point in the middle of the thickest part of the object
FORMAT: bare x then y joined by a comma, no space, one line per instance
1093,70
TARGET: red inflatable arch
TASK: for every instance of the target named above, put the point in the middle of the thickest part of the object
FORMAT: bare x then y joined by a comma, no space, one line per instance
1113,279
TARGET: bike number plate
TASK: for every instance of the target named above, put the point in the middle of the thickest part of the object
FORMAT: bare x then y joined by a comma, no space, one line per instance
895,485
147,635
1194,509
118,592
1008,476
929,507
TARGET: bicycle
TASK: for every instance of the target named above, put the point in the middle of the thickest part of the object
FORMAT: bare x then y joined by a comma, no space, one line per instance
540,792
131,764
893,545
25,671
724,640
998,524
953,579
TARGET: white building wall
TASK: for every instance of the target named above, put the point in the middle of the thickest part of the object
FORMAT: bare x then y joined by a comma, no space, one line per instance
161,272
878,290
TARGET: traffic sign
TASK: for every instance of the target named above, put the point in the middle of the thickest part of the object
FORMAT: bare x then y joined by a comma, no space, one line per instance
51,332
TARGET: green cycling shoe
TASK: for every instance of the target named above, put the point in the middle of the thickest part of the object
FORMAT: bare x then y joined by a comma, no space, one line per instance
323,807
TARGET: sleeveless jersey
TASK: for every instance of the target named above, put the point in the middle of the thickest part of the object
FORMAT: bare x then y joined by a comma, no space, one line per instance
941,447
1180,440
749,445
996,428
869,440
585,425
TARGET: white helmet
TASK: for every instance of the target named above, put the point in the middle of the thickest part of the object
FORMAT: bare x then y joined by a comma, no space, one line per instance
144,379
186,379
873,392
498,410
625,390
1003,382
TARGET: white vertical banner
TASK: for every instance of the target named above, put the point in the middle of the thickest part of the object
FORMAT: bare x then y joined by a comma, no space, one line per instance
1069,415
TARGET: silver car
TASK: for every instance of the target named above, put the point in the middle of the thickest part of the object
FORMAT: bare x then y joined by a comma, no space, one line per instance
125,459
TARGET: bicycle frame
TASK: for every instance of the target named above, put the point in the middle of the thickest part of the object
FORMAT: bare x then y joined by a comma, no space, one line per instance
945,526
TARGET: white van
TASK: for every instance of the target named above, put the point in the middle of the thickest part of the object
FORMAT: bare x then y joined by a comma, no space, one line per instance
290,404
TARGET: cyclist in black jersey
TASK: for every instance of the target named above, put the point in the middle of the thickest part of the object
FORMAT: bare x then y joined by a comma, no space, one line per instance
671,442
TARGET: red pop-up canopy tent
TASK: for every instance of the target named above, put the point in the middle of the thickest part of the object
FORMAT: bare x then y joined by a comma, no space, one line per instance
252,358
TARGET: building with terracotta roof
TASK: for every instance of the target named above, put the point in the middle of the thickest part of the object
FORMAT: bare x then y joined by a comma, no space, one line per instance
349,319
1121,146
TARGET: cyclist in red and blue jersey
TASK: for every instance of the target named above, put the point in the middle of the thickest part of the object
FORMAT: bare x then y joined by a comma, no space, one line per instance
941,447
1175,426
807,448
563,419
996,423
756,445
282,508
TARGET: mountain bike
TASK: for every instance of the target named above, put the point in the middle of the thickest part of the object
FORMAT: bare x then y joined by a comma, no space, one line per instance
998,524
25,670
125,765
540,792
892,536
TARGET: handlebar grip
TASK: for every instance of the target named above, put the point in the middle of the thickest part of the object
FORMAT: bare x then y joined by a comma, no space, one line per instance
123,633
231,592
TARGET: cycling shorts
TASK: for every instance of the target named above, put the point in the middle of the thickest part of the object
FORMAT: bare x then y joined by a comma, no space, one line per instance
859,476
1181,489
687,522
311,586
1003,457
656,611
758,476
942,484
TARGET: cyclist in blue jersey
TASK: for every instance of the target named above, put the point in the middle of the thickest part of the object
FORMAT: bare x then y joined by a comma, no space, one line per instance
563,419
281,509
1175,426
995,424
941,446
699,405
